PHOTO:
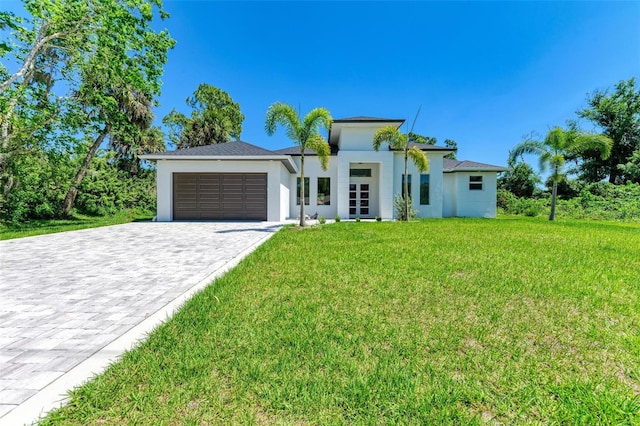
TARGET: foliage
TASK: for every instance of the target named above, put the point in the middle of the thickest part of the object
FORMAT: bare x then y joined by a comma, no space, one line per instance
416,138
87,74
520,180
304,132
400,142
600,201
558,144
399,207
215,118
322,220
480,325
108,189
631,169
337,218
618,114
450,143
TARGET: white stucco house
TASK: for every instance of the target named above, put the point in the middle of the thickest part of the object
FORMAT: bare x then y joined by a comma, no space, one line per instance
240,181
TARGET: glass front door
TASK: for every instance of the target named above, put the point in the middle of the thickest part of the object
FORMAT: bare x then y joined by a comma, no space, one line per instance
359,200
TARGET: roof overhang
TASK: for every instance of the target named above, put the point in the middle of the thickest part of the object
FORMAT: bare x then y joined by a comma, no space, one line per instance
286,160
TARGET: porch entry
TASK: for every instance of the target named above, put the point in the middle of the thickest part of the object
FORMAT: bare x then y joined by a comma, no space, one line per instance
363,191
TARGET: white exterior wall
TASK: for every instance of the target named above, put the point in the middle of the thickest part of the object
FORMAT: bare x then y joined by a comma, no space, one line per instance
435,206
275,183
449,207
477,203
382,179
359,138
313,171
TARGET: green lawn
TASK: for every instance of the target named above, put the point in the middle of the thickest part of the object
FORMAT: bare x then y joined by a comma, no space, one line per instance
40,227
454,321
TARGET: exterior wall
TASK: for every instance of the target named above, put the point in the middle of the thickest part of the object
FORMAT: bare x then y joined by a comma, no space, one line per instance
477,203
449,207
383,179
359,138
166,168
313,171
436,184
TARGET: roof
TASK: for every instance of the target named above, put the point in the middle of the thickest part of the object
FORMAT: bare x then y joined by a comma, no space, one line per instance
295,150
365,119
427,147
450,165
237,150
221,149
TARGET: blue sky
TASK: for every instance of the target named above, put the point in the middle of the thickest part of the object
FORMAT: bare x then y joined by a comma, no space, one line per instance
485,73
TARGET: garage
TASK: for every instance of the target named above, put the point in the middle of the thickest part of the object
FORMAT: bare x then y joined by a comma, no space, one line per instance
219,196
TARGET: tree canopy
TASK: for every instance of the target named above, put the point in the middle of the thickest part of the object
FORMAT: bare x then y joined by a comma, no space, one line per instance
215,118
618,115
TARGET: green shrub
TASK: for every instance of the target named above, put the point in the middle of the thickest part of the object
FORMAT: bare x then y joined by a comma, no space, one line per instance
322,220
398,207
337,218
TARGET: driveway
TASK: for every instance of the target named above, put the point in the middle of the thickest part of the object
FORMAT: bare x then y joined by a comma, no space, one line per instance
71,303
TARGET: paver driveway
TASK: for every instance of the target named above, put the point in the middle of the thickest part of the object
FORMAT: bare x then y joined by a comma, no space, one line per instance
65,297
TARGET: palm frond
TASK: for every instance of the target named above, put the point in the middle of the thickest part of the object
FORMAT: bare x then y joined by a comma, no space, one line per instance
589,141
528,146
419,158
391,135
316,118
285,115
318,144
557,139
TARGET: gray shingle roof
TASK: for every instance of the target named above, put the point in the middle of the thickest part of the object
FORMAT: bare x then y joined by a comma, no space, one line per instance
426,147
464,165
295,150
236,148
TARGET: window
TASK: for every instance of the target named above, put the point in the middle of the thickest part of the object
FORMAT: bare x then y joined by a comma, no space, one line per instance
424,189
475,183
360,173
409,186
324,191
306,191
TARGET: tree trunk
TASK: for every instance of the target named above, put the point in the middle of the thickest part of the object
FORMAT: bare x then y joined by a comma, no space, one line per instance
554,195
405,189
70,198
302,188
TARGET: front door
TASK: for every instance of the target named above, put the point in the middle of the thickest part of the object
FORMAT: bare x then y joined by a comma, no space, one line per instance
359,200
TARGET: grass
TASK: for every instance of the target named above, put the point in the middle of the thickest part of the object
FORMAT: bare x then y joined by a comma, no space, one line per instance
455,321
79,221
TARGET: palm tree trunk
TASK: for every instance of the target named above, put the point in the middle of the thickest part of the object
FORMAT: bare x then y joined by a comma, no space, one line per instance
405,189
302,188
70,198
554,195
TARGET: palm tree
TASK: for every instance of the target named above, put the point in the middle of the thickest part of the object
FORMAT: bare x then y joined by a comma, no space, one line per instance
557,145
399,141
305,133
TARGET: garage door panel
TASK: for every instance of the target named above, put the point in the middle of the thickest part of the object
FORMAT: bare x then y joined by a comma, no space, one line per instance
216,196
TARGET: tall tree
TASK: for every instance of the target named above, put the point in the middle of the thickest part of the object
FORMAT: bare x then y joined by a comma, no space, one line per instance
618,114
400,141
414,137
305,133
215,118
520,179
557,145
120,78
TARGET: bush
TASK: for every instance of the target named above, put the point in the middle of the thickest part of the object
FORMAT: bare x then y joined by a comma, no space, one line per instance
337,218
322,220
398,207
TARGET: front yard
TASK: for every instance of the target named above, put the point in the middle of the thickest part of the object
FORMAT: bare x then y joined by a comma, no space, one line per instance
451,321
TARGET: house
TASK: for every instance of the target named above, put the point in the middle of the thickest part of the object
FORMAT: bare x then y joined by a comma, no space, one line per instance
240,181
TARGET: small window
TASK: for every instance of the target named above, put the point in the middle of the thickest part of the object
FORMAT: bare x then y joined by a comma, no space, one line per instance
306,191
424,189
409,186
475,183
360,172
324,191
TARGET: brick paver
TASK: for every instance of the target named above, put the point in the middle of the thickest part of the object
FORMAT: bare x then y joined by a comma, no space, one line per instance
65,296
